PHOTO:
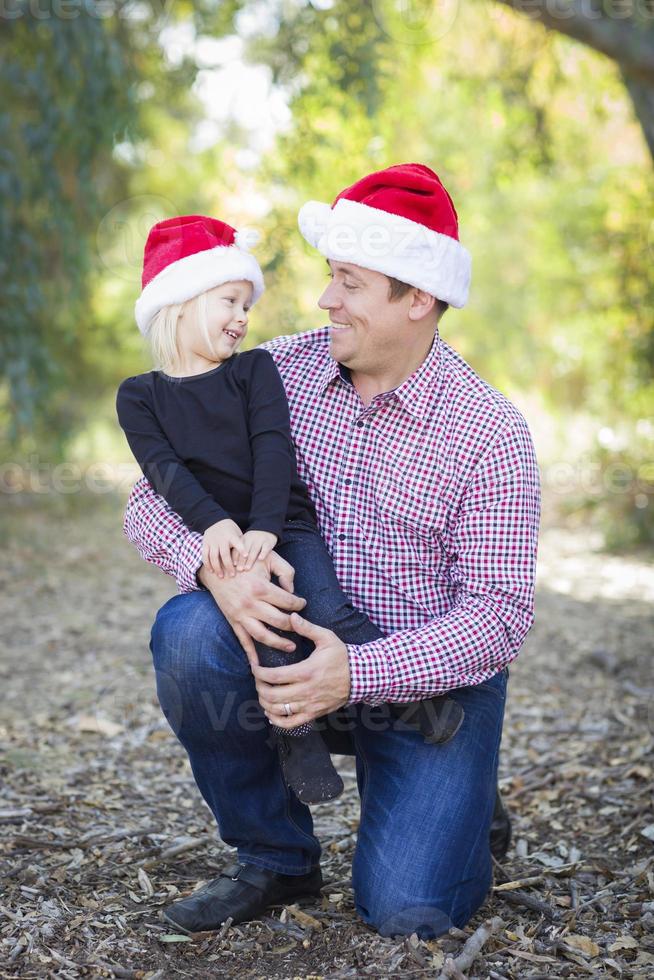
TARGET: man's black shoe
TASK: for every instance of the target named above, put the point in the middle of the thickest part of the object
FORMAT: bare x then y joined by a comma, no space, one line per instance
241,893
500,832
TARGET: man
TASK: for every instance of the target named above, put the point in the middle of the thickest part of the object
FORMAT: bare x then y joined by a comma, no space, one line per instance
427,491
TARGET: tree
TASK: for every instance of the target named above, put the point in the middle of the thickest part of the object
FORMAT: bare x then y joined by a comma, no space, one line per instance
602,25
67,97
79,83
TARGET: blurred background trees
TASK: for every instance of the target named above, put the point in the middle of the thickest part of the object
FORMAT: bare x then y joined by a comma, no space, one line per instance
129,112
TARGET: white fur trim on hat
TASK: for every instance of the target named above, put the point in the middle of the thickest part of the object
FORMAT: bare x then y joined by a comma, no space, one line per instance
388,243
194,274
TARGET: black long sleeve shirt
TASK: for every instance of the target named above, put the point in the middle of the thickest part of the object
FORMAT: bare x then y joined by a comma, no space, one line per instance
218,445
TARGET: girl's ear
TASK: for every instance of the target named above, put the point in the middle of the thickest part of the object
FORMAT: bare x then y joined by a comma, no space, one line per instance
422,304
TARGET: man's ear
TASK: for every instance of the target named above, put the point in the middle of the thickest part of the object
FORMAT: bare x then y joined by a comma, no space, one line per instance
421,305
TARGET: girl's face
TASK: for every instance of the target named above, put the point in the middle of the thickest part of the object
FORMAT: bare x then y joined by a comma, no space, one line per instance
226,323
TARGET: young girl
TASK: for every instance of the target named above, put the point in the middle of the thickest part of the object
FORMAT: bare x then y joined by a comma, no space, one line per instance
211,431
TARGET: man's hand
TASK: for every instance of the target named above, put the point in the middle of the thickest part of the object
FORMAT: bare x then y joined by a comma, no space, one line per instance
313,687
250,600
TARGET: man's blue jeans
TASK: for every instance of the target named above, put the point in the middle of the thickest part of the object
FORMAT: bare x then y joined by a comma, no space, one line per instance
422,861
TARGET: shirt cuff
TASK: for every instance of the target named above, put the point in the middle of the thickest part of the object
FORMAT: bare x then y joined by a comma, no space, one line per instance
271,525
370,674
189,563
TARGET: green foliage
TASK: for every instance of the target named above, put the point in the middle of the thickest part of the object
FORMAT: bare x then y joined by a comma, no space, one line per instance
66,88
533,134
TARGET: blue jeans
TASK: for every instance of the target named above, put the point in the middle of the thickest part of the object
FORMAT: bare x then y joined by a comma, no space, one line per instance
327,605
422,861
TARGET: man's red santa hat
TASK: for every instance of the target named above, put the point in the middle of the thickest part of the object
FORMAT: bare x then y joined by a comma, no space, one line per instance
400,221
188,255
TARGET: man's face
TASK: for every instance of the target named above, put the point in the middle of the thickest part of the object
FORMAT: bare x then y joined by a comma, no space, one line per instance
368,331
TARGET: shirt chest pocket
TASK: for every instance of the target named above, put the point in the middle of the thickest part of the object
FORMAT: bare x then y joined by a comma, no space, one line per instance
409,526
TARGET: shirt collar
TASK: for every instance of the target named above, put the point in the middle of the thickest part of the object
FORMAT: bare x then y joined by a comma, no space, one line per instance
332,370
416,394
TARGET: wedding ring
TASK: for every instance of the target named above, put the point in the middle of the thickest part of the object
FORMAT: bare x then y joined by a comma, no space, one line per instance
287,709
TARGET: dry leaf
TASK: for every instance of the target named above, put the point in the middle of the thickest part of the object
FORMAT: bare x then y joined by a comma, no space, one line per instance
305,920
99,726
531,957
582,943
145,883
437,959
623,942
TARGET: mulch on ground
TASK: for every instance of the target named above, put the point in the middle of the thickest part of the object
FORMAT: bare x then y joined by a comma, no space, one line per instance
101,825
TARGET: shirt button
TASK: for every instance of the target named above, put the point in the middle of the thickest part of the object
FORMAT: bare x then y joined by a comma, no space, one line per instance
341,537
359,425
348,482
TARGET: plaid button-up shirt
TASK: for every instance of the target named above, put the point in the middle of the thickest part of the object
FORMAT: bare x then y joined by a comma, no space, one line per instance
428,500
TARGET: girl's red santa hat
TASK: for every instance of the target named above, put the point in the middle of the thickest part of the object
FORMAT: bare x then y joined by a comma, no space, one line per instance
400,221
186,256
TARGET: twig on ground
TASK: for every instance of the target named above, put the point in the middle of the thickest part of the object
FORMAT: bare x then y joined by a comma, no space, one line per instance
187,844
509,886
121,972
83,843
529,902
471,949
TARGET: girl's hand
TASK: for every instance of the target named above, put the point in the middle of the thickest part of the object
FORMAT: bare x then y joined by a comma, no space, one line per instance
258,545
218,541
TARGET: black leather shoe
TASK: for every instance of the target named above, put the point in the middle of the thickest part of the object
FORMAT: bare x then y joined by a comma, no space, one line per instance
241,893
500,832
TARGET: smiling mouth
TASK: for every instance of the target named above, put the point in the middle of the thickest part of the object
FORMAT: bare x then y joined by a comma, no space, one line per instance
341,326
230,333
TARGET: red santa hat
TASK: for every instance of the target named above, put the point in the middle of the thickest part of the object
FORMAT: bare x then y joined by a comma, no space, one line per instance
187,255
400,221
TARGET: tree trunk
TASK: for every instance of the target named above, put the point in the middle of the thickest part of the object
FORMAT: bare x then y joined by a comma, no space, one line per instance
642,95
629,43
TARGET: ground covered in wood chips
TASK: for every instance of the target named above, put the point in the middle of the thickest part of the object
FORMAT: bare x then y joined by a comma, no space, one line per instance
101,825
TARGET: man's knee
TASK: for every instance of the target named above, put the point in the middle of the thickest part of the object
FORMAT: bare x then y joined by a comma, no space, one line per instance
396,907
392,914
202,674
179,629
190,636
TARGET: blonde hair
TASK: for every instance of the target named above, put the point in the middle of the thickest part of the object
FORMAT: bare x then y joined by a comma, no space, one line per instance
163,331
